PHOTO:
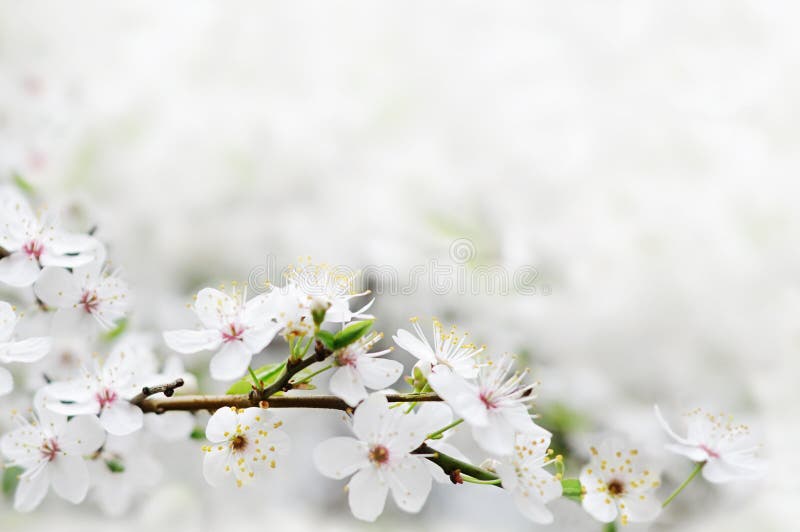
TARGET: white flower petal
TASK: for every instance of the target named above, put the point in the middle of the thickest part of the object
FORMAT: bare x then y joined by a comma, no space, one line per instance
18,269
214,308
640,510
410,483
257,338
367,494
52,259
70,477
532,507
215,466
497,437
368,420
57,287
221,424
28,350
346,383
692,452
6,381
340,457
668,429
378,373
230,362
8,321
600,506
121,418
82,435
414,345
32,489
188,341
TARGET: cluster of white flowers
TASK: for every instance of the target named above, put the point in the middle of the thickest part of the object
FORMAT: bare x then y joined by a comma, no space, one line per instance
88,427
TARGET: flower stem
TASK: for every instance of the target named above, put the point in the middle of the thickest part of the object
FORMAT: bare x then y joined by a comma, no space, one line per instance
610,527
685,483
309,377
256,381
438,434
472,480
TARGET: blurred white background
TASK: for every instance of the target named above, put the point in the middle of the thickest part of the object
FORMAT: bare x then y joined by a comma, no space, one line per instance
641,155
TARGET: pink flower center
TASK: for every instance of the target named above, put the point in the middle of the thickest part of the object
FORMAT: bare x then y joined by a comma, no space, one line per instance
234,332
346,358
379,454
710,452
106,397
90,301
33,248
50,449
487,401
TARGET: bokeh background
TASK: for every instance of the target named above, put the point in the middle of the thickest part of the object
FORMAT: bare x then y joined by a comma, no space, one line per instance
640,155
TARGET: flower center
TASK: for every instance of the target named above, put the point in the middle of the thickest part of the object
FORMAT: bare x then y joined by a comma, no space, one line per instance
50,449
346,358
33,248
616,487
106,397
90,301
233,333
709,451
379,454
238,443
488,402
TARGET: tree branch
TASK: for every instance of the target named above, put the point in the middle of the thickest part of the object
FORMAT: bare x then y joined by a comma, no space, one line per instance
453,466
193,403
167,389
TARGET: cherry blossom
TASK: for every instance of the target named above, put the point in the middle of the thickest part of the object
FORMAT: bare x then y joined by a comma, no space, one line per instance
233,326
357,369
50,449
727,448
618,482
28,350
105,389
379,459
524,476
31,241
327,287
449,350
243,442
494,405
88,291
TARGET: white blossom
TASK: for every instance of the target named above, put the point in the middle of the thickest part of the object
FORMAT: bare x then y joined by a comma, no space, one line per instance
618,482
106,388
327,287
727,448
243,442
11,350
357,369
432,417
88,291
379,459
235,327
495,405
524,477
33,241
449,350
50,449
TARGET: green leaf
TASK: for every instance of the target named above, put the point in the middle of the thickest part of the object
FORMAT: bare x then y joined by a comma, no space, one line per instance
327,338
23,184
198,433
115,466
351,333
117,331
11,479
572,489
266,374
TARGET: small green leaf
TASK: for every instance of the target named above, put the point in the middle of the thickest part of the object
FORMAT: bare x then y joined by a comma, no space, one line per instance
327,338
11,479
266,374
571,489
115,466
117,331
351,333
198,433
23,184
